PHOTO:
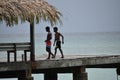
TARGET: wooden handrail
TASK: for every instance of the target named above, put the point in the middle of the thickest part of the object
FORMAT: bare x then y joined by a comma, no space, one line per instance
14,47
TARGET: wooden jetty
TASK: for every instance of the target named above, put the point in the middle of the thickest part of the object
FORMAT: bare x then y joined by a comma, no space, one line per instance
75,64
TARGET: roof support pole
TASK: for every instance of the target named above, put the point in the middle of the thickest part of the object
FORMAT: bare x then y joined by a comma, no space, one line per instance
32,41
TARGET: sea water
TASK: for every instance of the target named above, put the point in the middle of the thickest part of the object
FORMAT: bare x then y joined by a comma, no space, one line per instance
105,43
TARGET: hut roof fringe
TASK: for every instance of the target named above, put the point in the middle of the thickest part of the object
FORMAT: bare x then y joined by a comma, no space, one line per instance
30,10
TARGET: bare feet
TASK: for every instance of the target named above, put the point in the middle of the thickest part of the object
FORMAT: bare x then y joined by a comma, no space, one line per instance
62,57
53,56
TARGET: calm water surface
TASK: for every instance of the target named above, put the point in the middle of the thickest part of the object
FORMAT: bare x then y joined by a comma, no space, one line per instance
76,43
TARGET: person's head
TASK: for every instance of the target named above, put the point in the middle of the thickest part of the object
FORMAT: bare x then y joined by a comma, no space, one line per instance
55,29
47,28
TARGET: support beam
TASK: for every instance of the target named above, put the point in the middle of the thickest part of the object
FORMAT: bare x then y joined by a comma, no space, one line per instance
50,76
23,78
26,74
32,41
79,74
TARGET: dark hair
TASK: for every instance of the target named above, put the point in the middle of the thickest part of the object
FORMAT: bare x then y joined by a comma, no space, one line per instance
47,28
55,28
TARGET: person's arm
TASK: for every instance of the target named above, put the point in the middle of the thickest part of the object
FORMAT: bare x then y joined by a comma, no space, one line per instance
54,42
62,38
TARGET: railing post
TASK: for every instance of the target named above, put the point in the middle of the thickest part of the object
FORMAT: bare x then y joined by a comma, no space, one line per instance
8,56
15,55
25,55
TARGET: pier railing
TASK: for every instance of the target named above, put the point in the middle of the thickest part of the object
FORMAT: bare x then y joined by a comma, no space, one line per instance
14,47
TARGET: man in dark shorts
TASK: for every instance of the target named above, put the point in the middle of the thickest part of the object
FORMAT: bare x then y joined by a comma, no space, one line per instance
48,42
58,41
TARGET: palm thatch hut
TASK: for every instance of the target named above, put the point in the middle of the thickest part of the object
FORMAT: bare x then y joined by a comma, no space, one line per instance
28,10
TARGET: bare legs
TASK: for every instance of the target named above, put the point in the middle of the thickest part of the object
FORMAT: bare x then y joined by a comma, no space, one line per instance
54,55
62,56
49,54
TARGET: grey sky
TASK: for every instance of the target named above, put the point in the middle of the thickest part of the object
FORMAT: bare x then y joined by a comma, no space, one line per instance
79,16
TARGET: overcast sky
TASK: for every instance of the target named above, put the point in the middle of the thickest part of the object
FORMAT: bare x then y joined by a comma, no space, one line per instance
79,16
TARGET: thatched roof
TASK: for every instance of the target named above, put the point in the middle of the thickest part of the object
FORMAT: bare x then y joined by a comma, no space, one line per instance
30,10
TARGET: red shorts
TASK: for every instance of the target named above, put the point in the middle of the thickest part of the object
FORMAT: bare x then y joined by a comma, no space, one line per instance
48,43
48,46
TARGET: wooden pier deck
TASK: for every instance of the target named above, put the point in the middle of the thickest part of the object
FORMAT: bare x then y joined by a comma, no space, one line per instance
70,64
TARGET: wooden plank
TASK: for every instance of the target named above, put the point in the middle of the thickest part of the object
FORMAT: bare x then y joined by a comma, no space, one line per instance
23,48
14,46
6,49
77,61
14,43
6,44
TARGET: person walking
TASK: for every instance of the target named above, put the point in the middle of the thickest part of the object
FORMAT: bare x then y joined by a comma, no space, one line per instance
57,41
48,42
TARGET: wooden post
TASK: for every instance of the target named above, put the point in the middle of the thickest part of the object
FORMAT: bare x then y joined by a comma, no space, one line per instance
23,58
15,54
26,74
79,74
32,41
50,75
8,56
